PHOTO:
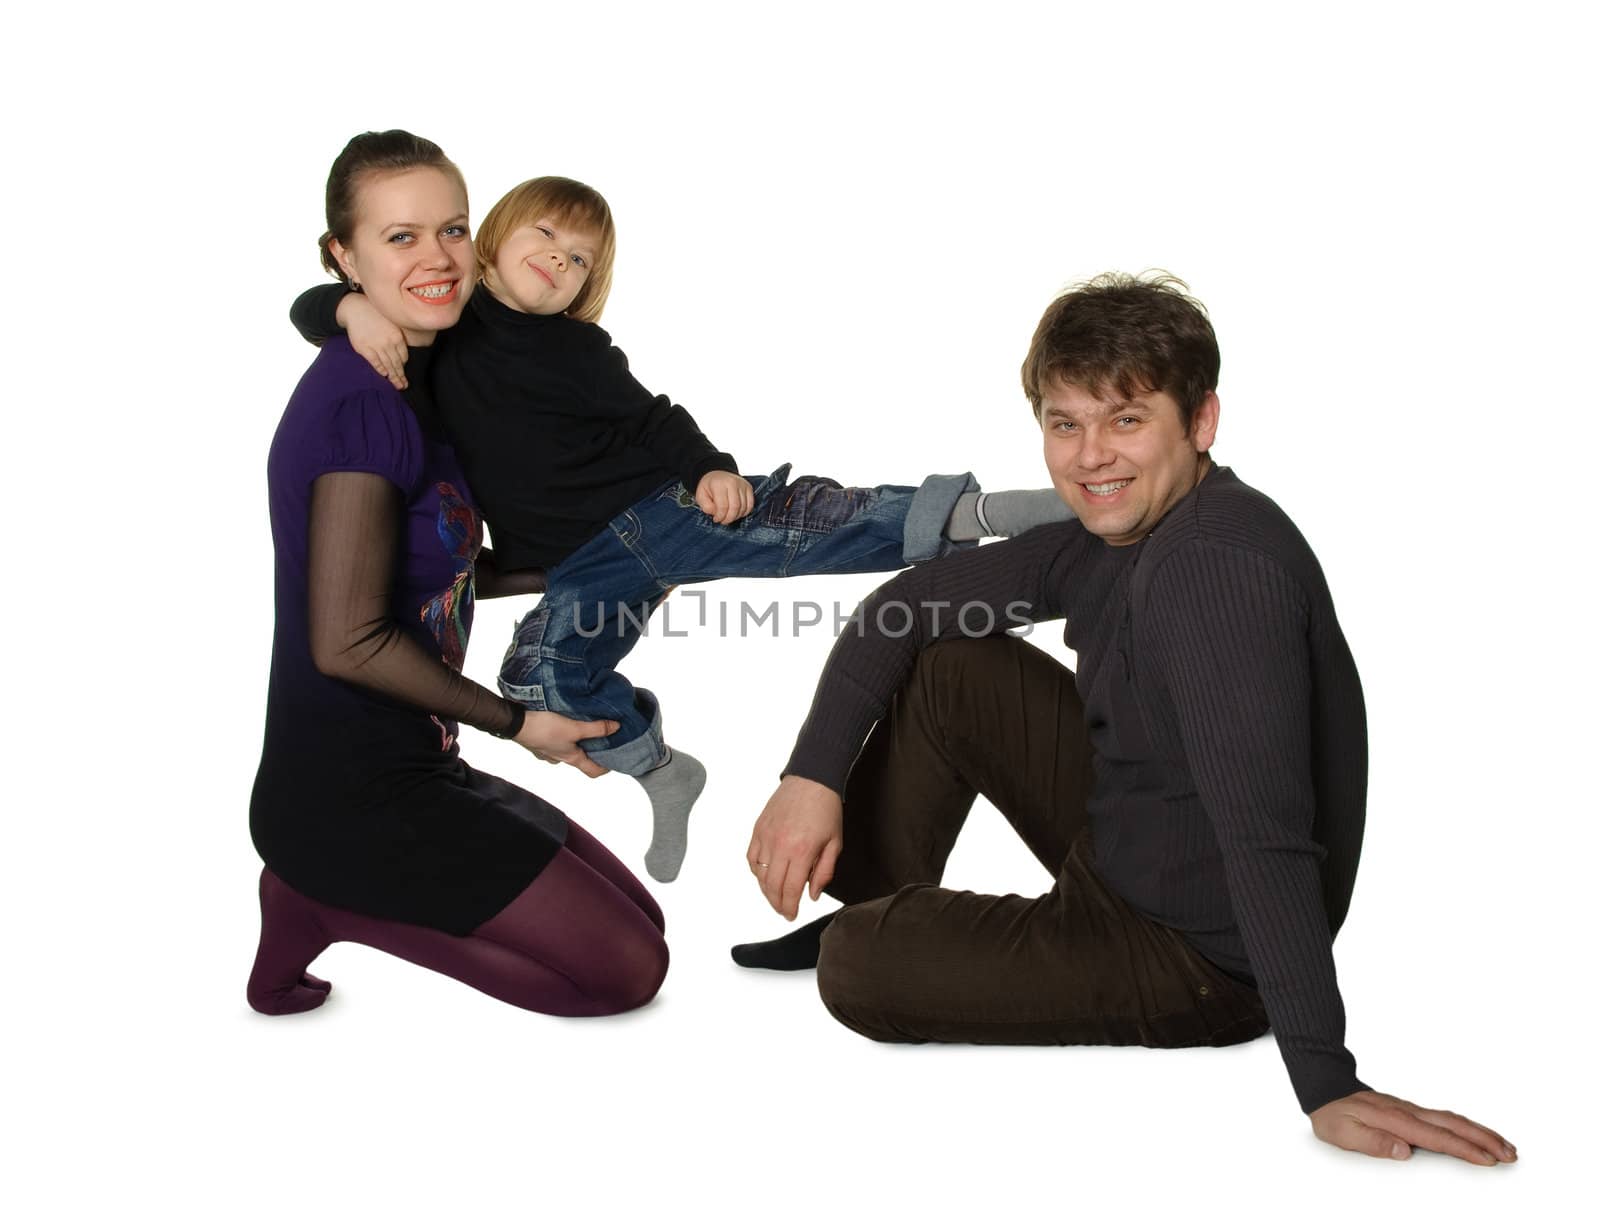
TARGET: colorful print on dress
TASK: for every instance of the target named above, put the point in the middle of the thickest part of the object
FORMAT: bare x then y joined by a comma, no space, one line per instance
448,615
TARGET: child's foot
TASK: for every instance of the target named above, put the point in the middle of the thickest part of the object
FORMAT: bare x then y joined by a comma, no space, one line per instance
672,787
1004,514
799,949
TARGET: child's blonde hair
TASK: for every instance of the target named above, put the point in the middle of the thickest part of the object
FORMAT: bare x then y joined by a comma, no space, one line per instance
567,203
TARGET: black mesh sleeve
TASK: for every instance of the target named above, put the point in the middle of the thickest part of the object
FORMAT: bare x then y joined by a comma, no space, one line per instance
355,526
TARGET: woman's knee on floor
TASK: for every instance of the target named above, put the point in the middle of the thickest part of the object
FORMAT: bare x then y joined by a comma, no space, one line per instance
625,970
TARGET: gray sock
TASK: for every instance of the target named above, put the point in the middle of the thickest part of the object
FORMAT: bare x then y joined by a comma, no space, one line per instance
1004,514
672,787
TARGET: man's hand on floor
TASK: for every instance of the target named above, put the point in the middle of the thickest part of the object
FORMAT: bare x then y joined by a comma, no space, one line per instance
1381,1125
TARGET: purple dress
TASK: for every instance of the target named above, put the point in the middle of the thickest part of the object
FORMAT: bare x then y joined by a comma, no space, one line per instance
362,801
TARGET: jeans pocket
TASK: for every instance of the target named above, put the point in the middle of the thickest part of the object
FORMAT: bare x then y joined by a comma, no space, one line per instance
1203,1004
761,488
529,695
523,653
772,482
815,505
678,494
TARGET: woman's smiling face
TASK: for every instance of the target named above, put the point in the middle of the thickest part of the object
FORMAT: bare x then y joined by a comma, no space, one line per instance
411,249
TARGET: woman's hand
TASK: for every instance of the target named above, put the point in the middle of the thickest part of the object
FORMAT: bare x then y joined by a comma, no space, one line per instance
724,497
374,337
554,739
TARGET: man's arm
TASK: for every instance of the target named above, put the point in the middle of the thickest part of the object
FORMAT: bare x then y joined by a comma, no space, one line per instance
1017,582
1229,629
1230,633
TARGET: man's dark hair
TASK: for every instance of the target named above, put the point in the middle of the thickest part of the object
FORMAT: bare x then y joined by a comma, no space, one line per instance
1132,334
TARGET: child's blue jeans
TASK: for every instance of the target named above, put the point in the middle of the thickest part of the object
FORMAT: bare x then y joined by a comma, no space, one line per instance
564,654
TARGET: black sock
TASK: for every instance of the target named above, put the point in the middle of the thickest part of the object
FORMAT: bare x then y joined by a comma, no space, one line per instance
796,950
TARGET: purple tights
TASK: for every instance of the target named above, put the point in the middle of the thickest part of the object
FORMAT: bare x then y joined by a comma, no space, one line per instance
583,939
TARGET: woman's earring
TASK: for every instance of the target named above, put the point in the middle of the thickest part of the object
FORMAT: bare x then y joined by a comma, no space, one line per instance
355,286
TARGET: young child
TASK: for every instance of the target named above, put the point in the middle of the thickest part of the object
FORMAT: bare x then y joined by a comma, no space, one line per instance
617,493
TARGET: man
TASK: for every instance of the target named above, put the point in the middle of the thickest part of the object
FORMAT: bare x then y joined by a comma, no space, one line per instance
1199,788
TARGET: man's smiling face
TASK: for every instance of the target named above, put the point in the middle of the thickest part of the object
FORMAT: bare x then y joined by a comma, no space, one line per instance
1122,463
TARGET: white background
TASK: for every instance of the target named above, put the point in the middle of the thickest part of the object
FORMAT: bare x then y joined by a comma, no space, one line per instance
837,229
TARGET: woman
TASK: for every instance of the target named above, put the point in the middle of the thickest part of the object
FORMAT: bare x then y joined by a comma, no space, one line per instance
372,828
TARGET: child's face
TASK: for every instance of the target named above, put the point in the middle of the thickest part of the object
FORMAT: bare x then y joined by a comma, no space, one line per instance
542,267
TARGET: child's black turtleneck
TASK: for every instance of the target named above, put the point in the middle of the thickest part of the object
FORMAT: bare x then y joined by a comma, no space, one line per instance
554,433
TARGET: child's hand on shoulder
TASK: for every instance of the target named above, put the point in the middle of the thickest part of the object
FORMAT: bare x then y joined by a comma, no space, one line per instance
374,337
724,497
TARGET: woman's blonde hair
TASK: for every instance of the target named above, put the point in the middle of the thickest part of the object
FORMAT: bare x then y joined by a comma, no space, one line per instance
567,203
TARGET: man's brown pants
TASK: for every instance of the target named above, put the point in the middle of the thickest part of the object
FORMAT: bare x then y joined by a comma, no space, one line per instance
910,961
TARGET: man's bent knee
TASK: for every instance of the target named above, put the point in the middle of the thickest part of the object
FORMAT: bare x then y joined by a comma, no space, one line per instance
847,979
